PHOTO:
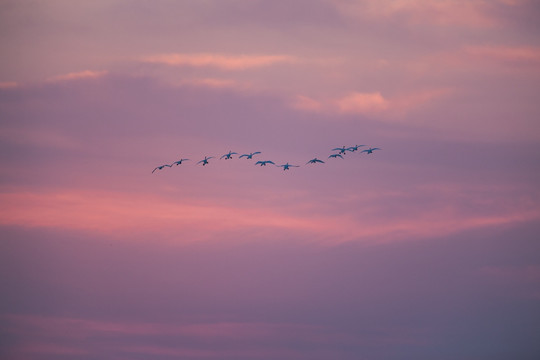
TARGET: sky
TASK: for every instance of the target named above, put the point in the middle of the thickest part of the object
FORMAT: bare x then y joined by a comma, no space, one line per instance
426,249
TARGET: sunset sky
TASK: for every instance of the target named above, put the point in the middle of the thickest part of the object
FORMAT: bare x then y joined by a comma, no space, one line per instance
426,249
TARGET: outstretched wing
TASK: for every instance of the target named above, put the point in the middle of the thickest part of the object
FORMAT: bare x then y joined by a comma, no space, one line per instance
259,162
241,156
270,162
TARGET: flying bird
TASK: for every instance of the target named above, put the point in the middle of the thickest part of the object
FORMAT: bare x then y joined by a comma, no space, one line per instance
205,160
250,155
314,161
178,162
354,148
263,163
335,156
228,155
287,166
341,149
161,167
370,150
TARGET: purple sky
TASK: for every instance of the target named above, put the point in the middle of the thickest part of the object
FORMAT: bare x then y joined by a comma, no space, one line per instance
426,249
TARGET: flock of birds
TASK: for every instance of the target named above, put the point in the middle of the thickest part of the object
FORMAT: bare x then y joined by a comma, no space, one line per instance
340,151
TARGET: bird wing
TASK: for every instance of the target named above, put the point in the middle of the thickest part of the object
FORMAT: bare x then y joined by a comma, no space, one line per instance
337,149
376,149
256,152
270,162
155,169
201,161
241,156
259,162
224,156
317,160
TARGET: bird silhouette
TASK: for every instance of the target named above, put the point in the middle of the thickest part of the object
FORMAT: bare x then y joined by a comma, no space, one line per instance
228,155
178,162
287,166
161,167
250,155
314,161
263,163
370,150
335,156
341,150
354,148
205,160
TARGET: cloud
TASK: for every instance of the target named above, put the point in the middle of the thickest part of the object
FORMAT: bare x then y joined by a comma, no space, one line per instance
363,103
371,103
8,84
126,214
306,103
505,55
87,74
468,13
220,61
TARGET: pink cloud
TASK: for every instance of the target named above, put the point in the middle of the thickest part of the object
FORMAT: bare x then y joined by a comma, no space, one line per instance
371,103
8,84
123,214
469,13
224,62
363,103
524,55
307,104
87,74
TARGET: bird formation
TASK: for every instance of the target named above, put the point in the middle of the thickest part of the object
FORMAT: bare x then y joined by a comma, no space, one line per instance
339,152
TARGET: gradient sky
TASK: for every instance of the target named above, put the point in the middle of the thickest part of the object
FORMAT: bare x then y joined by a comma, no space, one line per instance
427,249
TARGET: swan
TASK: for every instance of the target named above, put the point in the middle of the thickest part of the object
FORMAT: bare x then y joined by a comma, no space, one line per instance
228,155
263,163
287,166
370,150
205,160
354,148
178,162
335,156
250,155
161,167
341,149
314,161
